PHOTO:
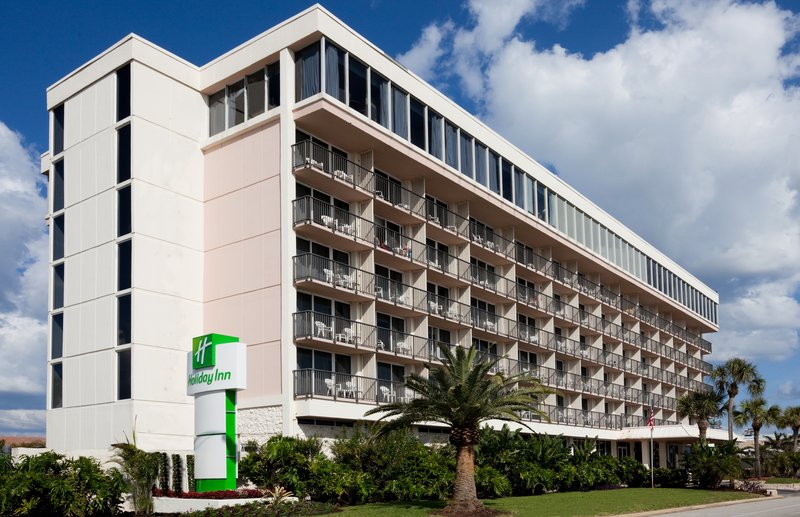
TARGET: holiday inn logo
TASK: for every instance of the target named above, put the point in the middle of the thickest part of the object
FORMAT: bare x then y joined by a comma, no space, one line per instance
204,349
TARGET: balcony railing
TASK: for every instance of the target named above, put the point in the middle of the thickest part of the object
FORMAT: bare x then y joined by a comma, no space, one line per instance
400,294
309,154
311,383
322,269
488,238
447,219
399,196
307,209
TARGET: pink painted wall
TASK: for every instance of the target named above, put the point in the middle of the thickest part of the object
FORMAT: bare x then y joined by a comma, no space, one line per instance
242,251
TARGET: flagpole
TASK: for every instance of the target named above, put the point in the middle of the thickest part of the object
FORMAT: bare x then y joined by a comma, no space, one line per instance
652,459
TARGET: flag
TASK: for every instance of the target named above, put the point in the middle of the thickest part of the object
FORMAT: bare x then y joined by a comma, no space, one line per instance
650,421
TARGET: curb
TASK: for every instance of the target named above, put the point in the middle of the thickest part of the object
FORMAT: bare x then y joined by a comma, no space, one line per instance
697,507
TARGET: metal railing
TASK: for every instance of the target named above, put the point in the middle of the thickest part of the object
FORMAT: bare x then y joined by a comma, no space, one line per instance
308,266
446,218
309,154
481,234
399,196
308,209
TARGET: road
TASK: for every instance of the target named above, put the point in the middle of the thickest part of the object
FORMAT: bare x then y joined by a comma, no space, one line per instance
783,507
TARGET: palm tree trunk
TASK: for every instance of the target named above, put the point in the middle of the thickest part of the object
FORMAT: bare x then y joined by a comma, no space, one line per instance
465,498
730,418
702,427
757,447
795,432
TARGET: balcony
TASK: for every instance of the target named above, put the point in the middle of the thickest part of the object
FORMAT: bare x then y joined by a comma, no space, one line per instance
407,299
331,172
310,383
333,279
445,225
326,224
395,202
332,332
487,239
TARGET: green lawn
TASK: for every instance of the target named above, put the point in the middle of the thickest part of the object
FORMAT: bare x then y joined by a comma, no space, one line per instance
568,504
781,481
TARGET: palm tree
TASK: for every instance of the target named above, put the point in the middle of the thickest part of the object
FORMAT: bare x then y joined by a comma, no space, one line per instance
461,394
701,407
791,419
756,413
728,376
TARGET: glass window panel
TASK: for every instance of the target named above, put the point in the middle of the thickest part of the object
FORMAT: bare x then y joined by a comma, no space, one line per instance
579,226
256,94
494,172
435,134
379,99
58,186
357,85
124,375
124,320
305,359
124,211
216,112
58,237
450,144
508,189
466,162
570,213
541,201
552,216
307,72
125,265
530,194
562,214
481,153
56,335
56,386
58,129
417,123
273,85
123,92
124,153
519,188
334,71
399,112
236,103
58,286
323,361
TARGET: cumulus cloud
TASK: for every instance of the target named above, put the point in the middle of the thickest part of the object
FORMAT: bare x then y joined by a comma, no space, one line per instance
23,273
424,56
686,132
21,421
789,390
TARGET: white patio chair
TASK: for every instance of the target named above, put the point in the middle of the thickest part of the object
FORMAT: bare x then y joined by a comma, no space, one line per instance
388,394
328,275
322,329
329,384
328,221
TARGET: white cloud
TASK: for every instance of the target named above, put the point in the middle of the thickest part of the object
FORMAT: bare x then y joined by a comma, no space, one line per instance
20,421
424,56
687,133
23,269
789,390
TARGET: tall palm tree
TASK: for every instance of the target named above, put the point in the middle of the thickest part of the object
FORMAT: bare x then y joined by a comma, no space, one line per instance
791,419
756,413
728,376
461,394
701,407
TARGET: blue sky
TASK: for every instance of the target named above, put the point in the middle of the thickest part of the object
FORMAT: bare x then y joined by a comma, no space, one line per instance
680,118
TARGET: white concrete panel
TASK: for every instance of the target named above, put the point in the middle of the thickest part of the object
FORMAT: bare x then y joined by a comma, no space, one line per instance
71,280
159,374
105,156
168,103
74,428
105,279
55,425
105,376
164,267
209,453
88,434
103,423
86,365
72,330
122,426
166,321
88,171
72,238
167,159
105,330
164,420
184,214
72,120
209,413
72,184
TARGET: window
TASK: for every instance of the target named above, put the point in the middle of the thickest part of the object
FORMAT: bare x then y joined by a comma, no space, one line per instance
379,99
236,103
494,172
466,163
124,265
124,153
508,189
480,163
541,201
274,85
435,134
58,286
399,112
519,188
58,129
216,112
450,144
124,319
58,186
417,123
124,211
334,71
58,237
124,374
255,94
57,383
357,85
57,335
307,72
123,92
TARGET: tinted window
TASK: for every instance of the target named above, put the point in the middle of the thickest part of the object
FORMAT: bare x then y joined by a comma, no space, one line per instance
123,92
216,112
58,129
57,336
58,186
417,123
273,85
58,237
256,90
123,211
124,265
58,286
124,320
307,72
358,85
124,375
57,383
124,153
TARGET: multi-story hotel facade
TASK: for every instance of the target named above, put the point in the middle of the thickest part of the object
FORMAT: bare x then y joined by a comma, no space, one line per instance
342,217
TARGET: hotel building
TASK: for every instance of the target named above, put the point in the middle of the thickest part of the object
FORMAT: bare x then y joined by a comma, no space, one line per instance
310,195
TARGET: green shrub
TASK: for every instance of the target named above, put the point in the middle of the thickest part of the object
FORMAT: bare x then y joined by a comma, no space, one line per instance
708,466
669,478
177,473
50,484
190,473
283,460
632,473
163,470
490,483
139,470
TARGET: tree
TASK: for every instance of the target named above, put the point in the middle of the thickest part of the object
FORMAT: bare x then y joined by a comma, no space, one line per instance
701,407
791,419
756,413
461,394
728,376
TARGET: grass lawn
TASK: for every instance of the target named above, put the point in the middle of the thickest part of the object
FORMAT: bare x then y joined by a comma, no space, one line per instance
781,481
568,504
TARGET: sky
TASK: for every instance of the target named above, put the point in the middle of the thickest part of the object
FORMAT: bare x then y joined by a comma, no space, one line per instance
680,118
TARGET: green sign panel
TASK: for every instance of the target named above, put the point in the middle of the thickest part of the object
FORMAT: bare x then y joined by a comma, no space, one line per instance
204,349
